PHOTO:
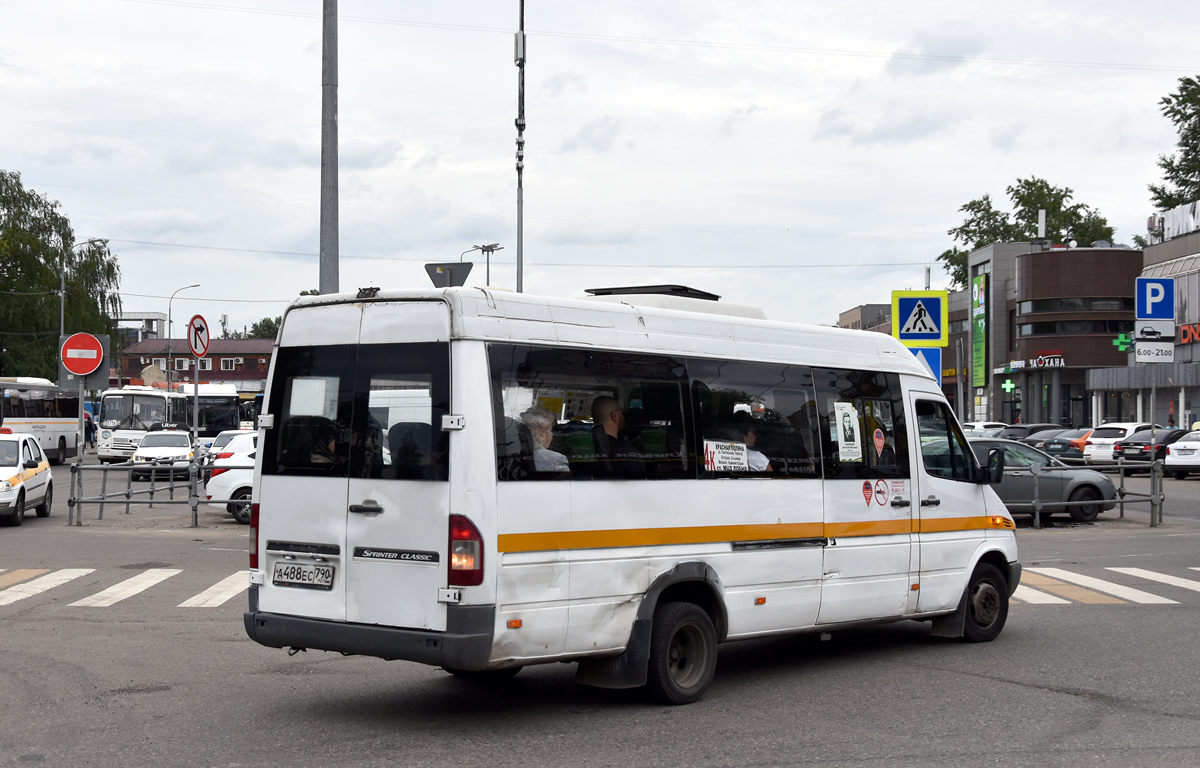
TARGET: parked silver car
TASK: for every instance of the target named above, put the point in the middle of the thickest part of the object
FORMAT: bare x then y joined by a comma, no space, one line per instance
1057,482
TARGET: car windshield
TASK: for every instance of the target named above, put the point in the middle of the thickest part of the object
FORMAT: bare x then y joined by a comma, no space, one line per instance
1108,433
222,439
1045,435
1071,434
163,440
1190,437
8,453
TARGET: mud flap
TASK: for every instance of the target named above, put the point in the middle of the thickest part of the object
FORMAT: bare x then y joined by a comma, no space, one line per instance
953,624
627,670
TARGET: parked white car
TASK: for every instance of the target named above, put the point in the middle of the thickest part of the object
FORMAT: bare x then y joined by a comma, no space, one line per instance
217,449
1183,456
1099,447
164,454
233,477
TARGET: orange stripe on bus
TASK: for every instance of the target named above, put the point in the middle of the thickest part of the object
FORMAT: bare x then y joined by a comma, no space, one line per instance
711,534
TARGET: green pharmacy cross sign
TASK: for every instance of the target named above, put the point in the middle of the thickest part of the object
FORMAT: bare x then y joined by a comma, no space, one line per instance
1122,342
1008,386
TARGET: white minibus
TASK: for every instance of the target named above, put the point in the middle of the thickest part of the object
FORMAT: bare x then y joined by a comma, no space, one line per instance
484,480
39,407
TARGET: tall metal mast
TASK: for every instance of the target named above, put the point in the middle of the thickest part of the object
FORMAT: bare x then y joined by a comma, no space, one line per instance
329,150
519,56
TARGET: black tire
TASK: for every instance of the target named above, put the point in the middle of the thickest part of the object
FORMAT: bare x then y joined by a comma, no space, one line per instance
241,510
987,604
43,509
1181,475
486,675
17,516
683,654
1085,514
60,455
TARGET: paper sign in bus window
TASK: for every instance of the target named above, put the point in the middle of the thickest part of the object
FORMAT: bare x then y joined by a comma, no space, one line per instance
721,456
848,439
314,396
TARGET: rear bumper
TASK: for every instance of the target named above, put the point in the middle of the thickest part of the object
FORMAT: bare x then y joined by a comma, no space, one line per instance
466,643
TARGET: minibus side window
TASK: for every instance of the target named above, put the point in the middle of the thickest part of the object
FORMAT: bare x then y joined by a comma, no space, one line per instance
403,390
311,399
943,448
545,400
862,426
754,419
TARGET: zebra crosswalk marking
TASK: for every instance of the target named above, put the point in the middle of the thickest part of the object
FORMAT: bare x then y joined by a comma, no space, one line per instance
1163,578
128,588
1079,594
1026,594
19,575
41,584
1108,587
220,592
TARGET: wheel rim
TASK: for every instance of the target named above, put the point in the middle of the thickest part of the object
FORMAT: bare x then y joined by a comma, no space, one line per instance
49,498
1088,509
687,656
20,512
985,604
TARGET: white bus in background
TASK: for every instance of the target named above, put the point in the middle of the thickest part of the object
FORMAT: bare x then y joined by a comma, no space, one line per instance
126,415
220,409
39,407
482,481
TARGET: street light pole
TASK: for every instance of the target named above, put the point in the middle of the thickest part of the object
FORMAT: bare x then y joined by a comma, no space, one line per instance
519,56
170,330
62,287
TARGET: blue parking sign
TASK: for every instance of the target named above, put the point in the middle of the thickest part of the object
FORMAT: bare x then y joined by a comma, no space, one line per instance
1156,298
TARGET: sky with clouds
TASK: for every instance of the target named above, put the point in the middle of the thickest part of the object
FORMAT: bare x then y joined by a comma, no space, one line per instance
804,157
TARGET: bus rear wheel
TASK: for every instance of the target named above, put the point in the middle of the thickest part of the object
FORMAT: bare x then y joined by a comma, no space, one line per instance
683,653
61,454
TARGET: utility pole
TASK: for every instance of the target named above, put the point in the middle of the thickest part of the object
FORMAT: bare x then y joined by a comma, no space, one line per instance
329,150
519,57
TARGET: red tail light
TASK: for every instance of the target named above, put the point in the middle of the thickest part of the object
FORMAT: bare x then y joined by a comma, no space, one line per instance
466,553
1168,452
1087,443
254,537
224,455
219,471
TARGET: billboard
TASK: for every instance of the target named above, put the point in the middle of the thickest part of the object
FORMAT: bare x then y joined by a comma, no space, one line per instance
979,366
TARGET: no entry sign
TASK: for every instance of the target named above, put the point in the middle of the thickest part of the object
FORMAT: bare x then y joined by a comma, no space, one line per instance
82,354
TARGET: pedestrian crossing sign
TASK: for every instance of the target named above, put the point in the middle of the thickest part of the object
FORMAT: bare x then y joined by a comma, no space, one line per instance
921,318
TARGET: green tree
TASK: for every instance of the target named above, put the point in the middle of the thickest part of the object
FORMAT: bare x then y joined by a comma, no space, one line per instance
267,328
985,224
1181,170
37,245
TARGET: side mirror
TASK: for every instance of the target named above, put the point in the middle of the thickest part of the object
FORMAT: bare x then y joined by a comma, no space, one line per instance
994,471
31,464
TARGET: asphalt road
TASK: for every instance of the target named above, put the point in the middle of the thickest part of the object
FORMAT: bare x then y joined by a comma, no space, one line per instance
146,682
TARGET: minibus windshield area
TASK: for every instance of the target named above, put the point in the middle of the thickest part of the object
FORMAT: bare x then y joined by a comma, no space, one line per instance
371,411
132,411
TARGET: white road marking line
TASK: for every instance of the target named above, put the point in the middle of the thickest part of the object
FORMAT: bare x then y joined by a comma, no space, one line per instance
128,588
1107,587
1174,581
1030,595
220,592
41,584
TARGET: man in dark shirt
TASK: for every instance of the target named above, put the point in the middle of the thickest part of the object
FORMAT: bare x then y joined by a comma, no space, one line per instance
615,457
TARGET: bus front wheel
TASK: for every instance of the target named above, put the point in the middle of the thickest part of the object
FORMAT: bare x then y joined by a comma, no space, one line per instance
987,604
683,653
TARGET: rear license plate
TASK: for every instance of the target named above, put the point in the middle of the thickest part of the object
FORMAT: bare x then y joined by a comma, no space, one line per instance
303,575
1187,452
1055,447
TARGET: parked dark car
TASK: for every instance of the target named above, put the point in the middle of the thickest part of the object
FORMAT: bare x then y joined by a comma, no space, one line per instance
1136,447
1038,439
1056,482
1022,431
1068,446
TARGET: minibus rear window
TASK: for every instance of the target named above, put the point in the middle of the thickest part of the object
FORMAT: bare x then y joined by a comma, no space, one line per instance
311,397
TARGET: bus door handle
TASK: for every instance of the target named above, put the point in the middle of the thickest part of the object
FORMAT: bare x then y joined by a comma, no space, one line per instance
901,503
932,501
368,505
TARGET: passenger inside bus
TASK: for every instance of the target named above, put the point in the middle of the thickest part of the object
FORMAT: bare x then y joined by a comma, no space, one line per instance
616,457
540,422
747,427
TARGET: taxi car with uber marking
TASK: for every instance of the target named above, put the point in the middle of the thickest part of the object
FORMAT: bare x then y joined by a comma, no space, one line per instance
24,477
165,451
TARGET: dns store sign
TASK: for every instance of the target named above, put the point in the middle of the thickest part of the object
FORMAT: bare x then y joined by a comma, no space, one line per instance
1189,334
